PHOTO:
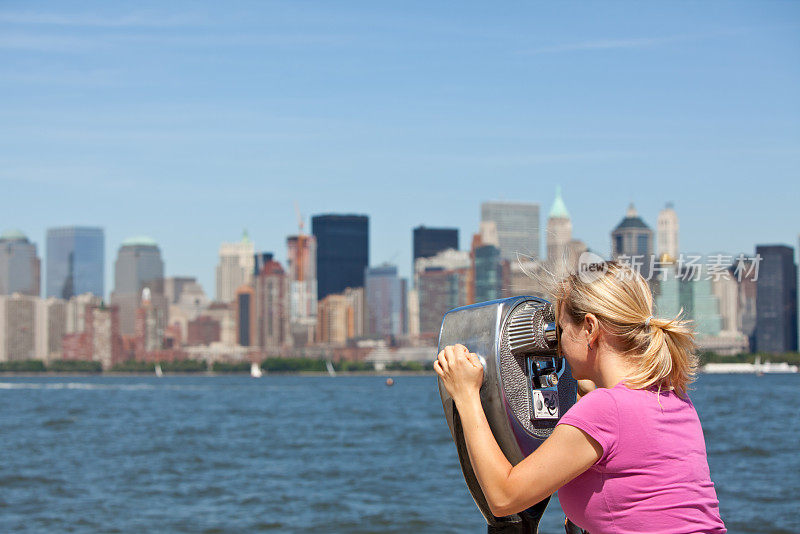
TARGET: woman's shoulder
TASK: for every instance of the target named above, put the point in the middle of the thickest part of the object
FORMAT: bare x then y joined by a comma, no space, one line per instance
602,400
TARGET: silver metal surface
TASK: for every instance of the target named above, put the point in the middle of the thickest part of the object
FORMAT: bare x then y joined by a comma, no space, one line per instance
517,343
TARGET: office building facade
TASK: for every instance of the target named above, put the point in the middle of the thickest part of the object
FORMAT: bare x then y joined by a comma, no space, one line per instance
776,300
138,266
236,267
385,301
17,327
75,262
517,228
667,234
430,241
342,252
19,265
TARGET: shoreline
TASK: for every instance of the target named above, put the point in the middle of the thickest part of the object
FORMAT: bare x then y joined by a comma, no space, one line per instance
212,374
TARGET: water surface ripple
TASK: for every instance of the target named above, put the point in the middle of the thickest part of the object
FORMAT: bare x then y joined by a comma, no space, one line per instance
301,453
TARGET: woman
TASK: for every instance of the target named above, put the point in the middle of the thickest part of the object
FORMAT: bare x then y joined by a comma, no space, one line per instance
629,456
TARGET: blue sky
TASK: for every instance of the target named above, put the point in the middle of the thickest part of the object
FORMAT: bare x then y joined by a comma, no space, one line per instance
189,121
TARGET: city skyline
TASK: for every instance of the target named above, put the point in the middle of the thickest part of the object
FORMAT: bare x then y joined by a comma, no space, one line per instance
151,316
208,280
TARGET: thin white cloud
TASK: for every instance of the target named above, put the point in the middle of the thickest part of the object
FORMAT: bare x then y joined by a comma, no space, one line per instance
637,42
43,43
64,175
68,77
89,20
608,44
523,159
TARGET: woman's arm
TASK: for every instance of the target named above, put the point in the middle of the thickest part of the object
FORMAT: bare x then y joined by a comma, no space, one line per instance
567,453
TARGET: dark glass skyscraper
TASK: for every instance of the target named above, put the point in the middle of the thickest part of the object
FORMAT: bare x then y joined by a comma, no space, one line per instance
488,273
342,252
430,241
776,299
75,261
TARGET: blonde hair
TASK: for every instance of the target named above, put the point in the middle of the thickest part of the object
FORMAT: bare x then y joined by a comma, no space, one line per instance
662,351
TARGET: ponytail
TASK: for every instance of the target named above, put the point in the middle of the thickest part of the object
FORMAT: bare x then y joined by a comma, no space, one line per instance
668,360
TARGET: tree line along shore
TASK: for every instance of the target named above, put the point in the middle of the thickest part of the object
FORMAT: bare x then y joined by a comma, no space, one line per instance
296,365
270,365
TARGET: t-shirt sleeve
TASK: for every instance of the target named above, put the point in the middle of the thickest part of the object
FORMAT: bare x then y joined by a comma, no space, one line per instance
597,415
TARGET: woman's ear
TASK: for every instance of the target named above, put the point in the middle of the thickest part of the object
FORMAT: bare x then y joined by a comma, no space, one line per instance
592,327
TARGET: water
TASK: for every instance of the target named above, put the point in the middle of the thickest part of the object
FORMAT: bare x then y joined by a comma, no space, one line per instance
320,454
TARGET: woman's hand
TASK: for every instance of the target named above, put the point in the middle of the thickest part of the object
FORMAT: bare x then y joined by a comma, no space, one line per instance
460,371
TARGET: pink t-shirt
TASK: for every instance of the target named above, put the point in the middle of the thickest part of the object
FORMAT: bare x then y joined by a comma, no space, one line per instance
653,474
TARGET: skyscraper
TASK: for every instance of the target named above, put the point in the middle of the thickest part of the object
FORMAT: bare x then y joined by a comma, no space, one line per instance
271,307
174,287
632,237
150,325
776,299
667,234
342,252
443,282
488,273
691,291
487,265
236,267
517,228
75,261
138,266
430,241
302,287
559,231
748,284
51,325
17,327
19,265
245,316
341,317
385,296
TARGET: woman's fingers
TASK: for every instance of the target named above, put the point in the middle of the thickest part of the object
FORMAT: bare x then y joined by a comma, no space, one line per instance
450,355
453,353
442,362
473,359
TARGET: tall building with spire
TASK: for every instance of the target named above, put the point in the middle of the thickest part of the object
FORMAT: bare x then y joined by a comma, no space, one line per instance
19,265
667,234
235,268
559,230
